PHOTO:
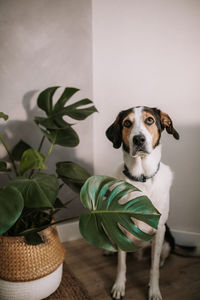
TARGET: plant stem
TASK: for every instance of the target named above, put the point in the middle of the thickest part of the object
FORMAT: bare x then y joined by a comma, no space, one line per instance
41,143
9,155
60,186
39,148
49,152
37,229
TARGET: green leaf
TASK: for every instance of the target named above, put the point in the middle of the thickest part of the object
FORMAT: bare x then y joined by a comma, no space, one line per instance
65,137
66,95
82,114
54,127
61,123
72,174
78,104
101,195
52,123
30,218
3,167
46,122
45,101
76,113
11,206
3,116
19,149
50,136
39,191
31,159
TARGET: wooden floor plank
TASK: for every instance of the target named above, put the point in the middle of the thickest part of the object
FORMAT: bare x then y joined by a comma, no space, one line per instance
179,279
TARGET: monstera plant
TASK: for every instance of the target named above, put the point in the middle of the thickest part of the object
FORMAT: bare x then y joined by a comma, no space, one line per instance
30,200
102,225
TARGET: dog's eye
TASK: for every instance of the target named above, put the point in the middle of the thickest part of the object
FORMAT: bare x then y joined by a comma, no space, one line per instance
127,123
149,121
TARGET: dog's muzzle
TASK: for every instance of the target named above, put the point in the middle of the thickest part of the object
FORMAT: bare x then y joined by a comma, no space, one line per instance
139,144
139,140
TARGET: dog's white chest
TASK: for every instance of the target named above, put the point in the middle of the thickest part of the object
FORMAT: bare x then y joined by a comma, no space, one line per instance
156,188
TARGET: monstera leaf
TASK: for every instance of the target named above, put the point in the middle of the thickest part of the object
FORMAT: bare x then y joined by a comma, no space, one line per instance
100,227
39,191
54,127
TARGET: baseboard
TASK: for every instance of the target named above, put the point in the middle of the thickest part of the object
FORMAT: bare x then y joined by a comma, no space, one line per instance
70,231
186,238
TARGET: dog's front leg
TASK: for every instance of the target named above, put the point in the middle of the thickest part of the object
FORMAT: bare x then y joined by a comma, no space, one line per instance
154,290
118,289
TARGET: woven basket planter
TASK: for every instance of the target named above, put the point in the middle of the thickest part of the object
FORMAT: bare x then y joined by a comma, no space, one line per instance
31,269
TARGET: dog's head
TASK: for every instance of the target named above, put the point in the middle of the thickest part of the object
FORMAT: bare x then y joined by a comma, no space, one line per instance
139,130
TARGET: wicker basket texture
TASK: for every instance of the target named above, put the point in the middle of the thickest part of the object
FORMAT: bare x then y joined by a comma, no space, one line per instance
22,262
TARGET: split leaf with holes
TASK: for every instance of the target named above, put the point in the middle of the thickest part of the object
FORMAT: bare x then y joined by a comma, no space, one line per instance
100,227
54,126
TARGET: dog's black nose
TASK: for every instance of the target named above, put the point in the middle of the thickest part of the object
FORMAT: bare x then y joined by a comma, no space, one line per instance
139,140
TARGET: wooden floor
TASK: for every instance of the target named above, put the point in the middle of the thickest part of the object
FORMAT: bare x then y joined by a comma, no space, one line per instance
180,277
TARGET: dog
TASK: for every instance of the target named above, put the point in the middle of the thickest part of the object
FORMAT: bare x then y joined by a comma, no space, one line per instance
138,130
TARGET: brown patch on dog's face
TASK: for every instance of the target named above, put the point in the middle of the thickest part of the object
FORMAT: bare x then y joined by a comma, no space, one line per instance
128,124
150,124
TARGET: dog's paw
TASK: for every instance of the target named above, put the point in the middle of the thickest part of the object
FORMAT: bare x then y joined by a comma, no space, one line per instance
154,294
118,290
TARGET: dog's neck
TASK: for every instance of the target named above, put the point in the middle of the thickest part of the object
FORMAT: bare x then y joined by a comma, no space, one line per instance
147,165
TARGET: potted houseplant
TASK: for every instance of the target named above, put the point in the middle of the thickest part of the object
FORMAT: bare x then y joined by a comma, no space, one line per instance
31,254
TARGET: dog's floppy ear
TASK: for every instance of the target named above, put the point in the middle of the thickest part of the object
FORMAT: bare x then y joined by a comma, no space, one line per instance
167,123
114,132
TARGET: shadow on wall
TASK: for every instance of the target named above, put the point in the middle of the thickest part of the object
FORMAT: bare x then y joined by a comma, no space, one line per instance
28,131
183,158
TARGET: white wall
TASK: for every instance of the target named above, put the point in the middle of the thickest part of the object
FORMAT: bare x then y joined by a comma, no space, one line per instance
147,53
45,43
144,53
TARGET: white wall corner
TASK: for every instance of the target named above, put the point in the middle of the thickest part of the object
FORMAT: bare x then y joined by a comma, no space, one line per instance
69,231
186,238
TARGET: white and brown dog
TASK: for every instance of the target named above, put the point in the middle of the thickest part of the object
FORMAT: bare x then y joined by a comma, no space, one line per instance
138,130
